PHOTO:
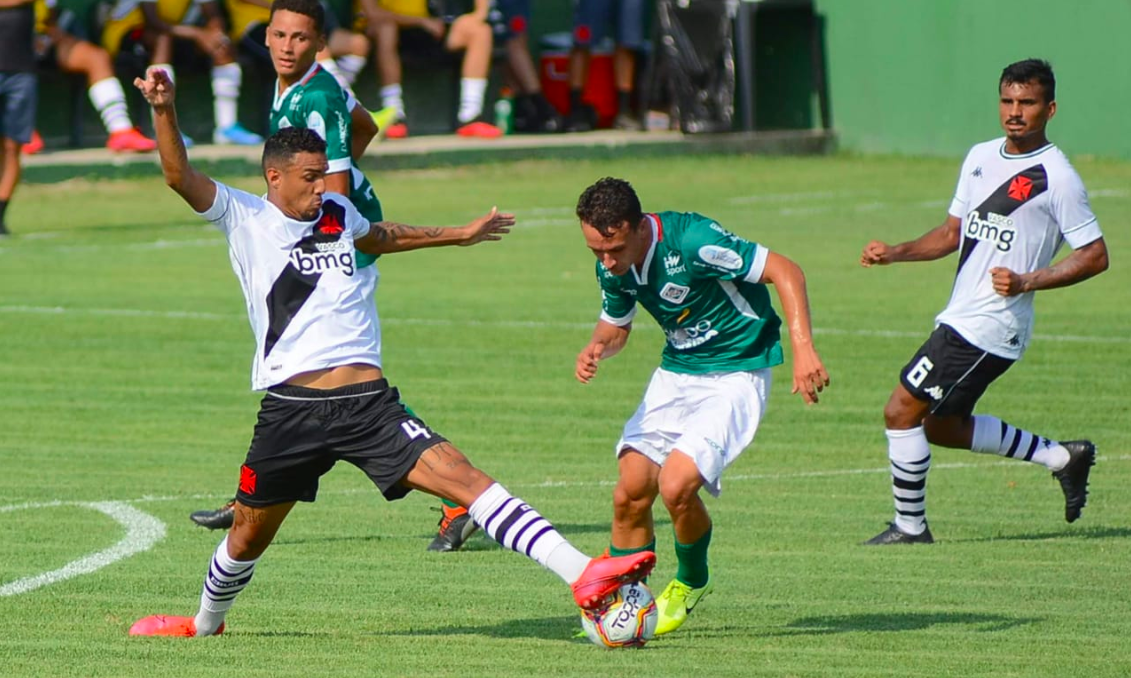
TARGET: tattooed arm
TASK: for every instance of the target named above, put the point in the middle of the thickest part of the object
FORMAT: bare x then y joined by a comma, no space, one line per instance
385,237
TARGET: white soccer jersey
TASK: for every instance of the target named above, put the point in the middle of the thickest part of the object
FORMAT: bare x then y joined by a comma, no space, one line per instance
1016,211
310,307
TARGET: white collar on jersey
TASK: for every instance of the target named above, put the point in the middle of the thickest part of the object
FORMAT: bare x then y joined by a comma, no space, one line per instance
642,274
1022,156
281,96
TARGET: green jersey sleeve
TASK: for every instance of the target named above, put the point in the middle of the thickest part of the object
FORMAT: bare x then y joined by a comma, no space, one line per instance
715,252
617,306
326,114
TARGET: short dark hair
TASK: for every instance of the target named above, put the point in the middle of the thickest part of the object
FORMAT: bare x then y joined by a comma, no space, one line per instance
288,142
609,203
310,8
1030,70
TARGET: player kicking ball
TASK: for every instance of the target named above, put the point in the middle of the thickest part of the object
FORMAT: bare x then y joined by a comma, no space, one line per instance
318,357
707,289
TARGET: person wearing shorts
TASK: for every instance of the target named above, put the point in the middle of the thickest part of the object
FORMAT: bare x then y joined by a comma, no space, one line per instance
18,95
318,358
708,290
1018,200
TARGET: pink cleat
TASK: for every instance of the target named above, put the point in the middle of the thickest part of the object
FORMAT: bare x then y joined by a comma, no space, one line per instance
480,130
130,141
603,576
34,146
164,625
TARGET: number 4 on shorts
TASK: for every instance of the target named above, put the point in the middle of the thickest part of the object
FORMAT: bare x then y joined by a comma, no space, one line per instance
414,430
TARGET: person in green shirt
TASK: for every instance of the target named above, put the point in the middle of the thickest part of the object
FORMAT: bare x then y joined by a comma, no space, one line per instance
707,289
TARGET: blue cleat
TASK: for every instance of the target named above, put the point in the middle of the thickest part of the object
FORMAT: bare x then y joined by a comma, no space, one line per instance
236,135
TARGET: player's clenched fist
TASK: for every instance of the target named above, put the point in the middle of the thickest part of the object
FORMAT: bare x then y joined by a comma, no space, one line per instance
875,252
587,361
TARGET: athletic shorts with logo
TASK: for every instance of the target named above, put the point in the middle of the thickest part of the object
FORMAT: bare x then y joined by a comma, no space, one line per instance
950,373
710,417
302,432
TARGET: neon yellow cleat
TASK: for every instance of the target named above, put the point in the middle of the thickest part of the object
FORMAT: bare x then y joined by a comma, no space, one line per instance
385,118
676,602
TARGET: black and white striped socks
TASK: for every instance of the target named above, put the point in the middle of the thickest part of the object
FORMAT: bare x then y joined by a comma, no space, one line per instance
226,578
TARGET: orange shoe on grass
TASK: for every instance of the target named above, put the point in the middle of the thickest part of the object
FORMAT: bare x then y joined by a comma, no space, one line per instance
397,131
165,625
480,130
130,141
34,146
603,576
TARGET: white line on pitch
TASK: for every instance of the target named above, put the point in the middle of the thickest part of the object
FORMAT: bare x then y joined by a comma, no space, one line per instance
536,324
143,531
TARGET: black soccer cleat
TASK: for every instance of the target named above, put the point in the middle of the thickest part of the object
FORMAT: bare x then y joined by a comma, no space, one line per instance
1074,476
894,535
455,527
218,519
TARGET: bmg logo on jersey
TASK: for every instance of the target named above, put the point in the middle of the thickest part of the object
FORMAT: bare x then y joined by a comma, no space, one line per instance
330,256
993,228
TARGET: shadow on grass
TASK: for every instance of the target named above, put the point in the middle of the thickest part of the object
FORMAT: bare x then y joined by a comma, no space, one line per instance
544,628
904,621
1066,533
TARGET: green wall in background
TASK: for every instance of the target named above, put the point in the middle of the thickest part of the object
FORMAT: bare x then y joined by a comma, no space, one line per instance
920,76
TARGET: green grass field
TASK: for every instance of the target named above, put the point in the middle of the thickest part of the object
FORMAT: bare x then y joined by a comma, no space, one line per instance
125,360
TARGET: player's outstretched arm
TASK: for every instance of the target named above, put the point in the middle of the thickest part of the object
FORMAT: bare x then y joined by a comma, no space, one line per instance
385,237
608,339
195,187
934,244
809,375
1086,262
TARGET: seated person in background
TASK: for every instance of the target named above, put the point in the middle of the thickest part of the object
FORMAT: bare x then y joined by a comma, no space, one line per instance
457,27
510,20
58,40
155,25
591,22
347,46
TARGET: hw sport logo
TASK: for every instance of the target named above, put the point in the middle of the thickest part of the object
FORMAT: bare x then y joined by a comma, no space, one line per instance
672,264
1020,188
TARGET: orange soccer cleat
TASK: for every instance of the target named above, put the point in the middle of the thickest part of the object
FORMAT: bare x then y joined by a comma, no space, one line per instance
603,576
397,131
34,146
130,141
480,130
165,625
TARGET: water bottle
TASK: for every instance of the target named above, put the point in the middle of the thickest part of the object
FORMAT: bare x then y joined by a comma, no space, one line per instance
504,112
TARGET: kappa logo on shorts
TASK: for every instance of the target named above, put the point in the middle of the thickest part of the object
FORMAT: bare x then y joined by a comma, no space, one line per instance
247,480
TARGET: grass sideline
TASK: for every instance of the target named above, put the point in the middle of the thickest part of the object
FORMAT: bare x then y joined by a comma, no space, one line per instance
126,358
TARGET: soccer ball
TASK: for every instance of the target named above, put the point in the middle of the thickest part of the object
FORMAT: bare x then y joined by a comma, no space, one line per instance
629,621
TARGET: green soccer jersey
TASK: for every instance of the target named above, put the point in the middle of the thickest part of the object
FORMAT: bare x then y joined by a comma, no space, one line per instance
700,283
318,102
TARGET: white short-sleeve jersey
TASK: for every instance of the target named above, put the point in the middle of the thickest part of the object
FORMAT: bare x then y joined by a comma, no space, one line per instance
1016,211
310,307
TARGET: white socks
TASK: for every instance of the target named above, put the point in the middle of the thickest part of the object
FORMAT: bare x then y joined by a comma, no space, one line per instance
514,524
392,96
110,102
226,578
226,81
471,92
910,457
994,436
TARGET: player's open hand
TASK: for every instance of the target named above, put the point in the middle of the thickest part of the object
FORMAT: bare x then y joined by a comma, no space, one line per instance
587,361
876,252
157,88
809,375
1006,282
491,227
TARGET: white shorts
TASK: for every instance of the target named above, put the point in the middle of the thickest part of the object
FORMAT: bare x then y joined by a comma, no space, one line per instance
709,417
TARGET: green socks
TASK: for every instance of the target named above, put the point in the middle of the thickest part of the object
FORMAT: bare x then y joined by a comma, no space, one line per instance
693,561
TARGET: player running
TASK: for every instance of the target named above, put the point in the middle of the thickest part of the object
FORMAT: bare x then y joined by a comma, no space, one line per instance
1018,199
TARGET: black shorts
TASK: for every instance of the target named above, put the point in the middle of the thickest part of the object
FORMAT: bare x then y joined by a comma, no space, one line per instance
303,432
951,373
